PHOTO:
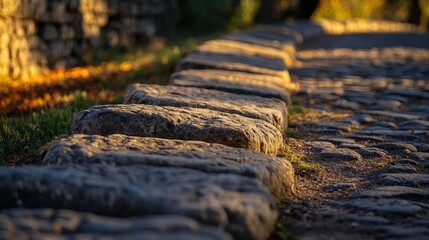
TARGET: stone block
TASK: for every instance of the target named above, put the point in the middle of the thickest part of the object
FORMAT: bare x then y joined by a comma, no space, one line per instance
270,110
277,174
240,205
180,123
236,82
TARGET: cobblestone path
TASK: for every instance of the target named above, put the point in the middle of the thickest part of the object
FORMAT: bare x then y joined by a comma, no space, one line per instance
367,124
232,148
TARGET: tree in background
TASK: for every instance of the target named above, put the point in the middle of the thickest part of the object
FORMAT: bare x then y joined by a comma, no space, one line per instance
418,12
304,9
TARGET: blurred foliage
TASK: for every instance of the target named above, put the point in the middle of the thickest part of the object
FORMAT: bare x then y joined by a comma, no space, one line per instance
214,15
231,15
343,10
393,10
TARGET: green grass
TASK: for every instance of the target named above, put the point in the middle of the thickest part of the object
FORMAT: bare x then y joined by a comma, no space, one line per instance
283,230
302,167
24,136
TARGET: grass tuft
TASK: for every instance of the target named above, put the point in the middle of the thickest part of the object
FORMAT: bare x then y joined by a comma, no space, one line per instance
302,168
283,230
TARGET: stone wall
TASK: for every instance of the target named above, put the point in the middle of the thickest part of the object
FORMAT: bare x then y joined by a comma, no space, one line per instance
36,35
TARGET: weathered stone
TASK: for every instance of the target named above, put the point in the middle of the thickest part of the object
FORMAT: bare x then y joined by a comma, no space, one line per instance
234,62
271,110
386,104
401,169
369,138
242,48
341,127
277,174
240,205
401,232
344,104
383,124
364,219
370,152
396,147
339,154
391,206
404,179
287,46
352,146
407,162
235,82
396,192
401,135
180,123
66,224
393,115
318,146
421,147
420,156
337,140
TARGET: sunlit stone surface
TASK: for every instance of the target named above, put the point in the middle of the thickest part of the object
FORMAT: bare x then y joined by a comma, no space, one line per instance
270,110
236,82
276,173
180,123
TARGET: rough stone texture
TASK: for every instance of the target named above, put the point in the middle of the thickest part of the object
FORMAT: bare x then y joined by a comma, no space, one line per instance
276,173
392,115
66,224
396,147
393,206
240,205
235,82
318,146
180,123
234,62
396,192
287,44
401,169
405,179
339,154
245,48
271,110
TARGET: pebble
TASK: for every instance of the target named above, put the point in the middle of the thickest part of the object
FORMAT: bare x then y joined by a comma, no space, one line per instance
415,125
390,206
318,146
396,147
362,118
370,152
396,192
353,146
404,179
420,156
407,162
340,154
401,169
364,219
337,140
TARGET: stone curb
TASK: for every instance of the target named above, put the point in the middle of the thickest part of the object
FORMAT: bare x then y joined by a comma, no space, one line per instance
120,179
